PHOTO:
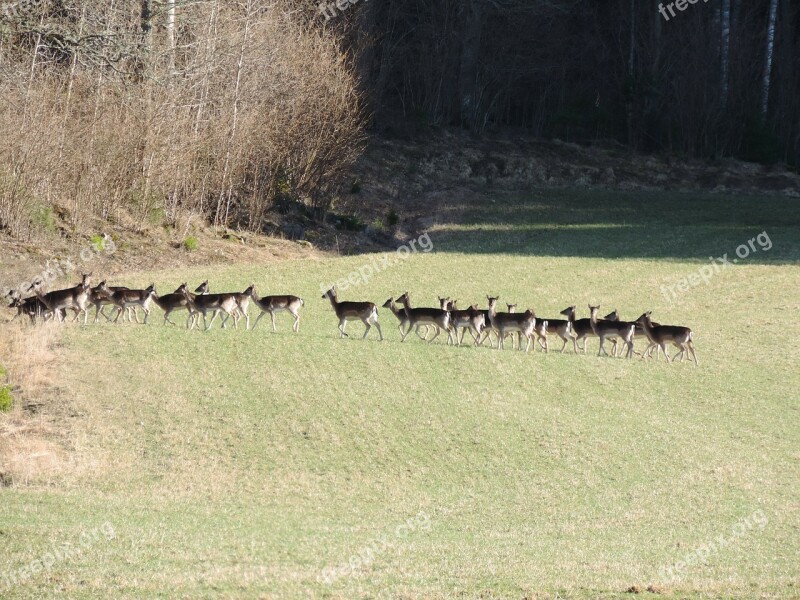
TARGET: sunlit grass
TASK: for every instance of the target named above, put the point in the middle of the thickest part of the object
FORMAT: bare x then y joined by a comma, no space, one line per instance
245,464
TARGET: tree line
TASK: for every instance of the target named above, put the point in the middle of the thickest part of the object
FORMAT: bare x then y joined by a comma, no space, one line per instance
161,111
719,78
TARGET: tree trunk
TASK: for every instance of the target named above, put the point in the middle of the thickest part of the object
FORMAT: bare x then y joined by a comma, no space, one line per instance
768,52
725,51
468,72
171,32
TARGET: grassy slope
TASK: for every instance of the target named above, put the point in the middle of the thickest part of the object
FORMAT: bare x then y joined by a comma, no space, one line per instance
242,464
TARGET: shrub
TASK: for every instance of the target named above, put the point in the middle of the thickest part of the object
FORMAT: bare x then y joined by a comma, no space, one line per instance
263,106
6,399
191,244
393,218
44,219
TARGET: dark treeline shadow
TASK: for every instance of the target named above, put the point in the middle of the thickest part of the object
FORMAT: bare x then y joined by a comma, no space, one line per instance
612,224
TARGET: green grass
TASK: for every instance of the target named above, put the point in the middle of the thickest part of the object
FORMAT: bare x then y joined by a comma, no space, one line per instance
234,464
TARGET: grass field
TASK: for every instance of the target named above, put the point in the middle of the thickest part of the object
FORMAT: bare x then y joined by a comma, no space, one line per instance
250,464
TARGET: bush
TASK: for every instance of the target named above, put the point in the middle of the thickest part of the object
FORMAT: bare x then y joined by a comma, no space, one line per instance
191,244
6,399
393,218
278,114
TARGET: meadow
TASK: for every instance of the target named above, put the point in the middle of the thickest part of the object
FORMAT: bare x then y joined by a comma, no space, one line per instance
250,464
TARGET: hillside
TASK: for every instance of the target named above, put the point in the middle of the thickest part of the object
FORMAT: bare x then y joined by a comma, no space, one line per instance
251,464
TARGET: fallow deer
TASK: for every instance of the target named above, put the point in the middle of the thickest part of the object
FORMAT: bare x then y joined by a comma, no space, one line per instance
74,298
604,329
366,312
177,300
520,323
661,335
277,304
438,318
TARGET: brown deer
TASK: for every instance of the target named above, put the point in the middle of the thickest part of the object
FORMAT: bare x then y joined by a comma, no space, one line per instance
471,319
74,298
521,323
214,303
438,318
582,328
366,312
177,300
661,335
604,328
278,304
124,299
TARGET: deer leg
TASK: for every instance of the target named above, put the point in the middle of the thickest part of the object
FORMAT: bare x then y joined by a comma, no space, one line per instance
296,324
691,352
435,335
564,339
213,318
272,316
342,325
368,327
378,325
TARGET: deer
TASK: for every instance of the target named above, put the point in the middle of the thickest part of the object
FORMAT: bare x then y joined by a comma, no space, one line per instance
277,304
402,317
400,313
604,328
582,328
32,307
101,299
471,319
511,308
487,329
169,303
660,335
242,304
74,298
437,317
560,327
215,303
614,316
366,312
126,298
521,323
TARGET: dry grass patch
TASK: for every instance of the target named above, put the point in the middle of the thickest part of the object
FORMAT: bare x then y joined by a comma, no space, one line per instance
30,451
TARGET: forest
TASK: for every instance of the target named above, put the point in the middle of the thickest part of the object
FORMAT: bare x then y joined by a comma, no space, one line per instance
159,109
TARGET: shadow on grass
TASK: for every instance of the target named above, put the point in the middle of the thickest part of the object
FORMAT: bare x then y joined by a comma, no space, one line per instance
608,224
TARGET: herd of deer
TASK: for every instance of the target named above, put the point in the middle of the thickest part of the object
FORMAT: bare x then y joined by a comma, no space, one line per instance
480,323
